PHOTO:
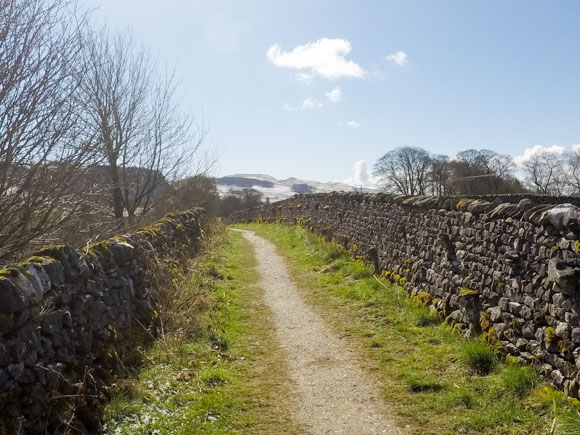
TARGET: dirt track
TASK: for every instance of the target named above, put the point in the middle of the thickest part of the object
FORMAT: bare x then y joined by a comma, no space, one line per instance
335,394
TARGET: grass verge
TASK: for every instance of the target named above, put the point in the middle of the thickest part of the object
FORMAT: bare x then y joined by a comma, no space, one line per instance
435,381
217,368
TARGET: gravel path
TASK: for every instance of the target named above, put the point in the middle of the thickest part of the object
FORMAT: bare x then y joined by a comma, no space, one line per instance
335,395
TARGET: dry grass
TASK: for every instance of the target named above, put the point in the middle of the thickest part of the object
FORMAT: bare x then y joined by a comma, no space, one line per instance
217,368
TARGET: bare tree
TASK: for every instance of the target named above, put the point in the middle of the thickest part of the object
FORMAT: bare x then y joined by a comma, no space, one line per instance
573,171
42,150
544,173
482,172
439,173
242,199
196,191
470,172
498,167
404,170
140,129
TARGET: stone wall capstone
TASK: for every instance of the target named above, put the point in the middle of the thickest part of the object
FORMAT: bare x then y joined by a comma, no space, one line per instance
70,321
510,271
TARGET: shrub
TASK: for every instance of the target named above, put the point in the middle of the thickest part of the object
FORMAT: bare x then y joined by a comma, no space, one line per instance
479,356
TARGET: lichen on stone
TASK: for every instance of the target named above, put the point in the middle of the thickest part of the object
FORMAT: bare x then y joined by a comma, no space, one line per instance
550,334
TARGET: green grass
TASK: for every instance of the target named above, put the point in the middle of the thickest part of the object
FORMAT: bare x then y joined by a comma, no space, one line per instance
217,372
479,356
520,380
423,367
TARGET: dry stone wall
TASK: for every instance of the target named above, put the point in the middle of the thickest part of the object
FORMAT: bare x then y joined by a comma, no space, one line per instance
70,321
510,271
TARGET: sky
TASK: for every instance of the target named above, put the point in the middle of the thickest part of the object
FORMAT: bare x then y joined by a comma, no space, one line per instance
321,89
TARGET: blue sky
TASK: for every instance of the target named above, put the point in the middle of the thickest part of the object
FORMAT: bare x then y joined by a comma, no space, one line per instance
443,75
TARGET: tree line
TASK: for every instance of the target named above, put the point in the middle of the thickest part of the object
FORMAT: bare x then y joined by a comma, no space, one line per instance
414,171
94,131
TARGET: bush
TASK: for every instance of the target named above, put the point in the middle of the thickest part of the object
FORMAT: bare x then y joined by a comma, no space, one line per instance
480,357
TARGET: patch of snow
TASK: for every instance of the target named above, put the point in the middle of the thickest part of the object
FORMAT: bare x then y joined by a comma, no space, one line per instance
283,189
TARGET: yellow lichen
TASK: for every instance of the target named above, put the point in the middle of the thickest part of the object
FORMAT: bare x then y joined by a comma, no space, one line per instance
550,334
36,259
563,345
423,297
10,271
49,250
461,201
484,321
510,359
490,337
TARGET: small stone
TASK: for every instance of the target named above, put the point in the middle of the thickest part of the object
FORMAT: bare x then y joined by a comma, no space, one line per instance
563,330
576,335
494,313
11,297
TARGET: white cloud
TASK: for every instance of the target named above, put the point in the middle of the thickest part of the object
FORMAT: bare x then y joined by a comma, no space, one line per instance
308,104
398,57
304,78
362,176
335,95
324,57
353,124
576,148
538,149
311,103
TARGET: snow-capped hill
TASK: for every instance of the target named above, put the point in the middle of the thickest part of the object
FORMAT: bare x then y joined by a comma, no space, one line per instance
277,190
262,177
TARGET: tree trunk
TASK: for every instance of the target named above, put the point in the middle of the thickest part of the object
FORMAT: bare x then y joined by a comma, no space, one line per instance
115,188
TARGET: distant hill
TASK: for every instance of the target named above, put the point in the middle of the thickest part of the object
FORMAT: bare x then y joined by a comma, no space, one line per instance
277,190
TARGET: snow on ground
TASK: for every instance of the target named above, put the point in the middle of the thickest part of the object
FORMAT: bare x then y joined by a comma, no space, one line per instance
277,190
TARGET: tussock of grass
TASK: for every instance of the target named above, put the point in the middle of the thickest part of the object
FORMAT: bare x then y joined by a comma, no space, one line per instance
461,398
519,380
420,363
479,356
418,384
427,319
334,252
